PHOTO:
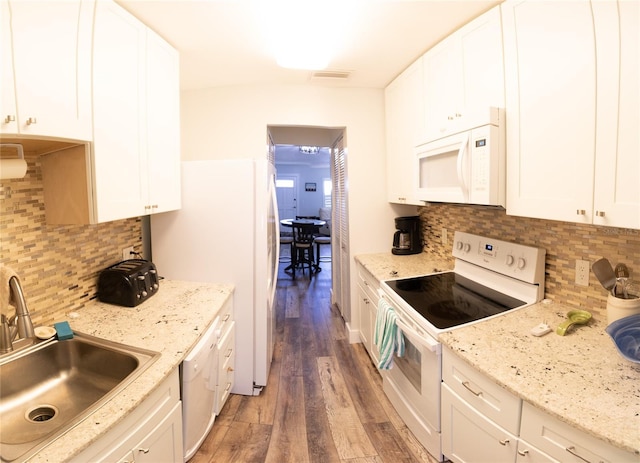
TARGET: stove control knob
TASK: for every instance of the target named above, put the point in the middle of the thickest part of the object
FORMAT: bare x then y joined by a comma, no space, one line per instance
521,263
510,260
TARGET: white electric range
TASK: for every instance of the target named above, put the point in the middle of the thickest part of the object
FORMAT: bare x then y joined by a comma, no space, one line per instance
490,277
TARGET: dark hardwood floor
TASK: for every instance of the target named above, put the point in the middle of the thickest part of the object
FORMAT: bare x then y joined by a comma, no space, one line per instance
324,400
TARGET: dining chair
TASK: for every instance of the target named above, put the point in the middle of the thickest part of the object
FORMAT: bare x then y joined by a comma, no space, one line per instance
303,247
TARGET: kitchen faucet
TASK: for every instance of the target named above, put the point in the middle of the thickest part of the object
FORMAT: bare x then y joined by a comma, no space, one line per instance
20,325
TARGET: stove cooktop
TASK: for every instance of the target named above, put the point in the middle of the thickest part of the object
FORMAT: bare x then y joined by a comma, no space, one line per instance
447,299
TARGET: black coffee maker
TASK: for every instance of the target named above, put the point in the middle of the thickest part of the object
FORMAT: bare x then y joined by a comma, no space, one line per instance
408,238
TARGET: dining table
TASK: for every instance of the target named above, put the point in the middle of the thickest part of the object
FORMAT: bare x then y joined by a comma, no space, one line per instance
289,223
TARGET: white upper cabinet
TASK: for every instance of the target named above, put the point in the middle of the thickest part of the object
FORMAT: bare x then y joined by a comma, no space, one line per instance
163,125
46,54
571,73
463,75
136,168
132,168
404,112
616,199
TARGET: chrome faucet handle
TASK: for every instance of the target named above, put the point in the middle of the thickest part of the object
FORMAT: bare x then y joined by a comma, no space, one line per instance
5,335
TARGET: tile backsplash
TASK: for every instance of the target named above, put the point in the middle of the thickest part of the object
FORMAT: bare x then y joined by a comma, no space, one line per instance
564,242
58,265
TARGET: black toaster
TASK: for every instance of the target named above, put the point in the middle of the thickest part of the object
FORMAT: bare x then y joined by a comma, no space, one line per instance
128,283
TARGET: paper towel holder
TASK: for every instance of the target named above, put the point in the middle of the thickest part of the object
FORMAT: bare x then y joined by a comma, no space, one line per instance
13,168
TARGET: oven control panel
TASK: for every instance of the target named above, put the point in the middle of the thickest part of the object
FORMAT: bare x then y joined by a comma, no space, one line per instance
516,260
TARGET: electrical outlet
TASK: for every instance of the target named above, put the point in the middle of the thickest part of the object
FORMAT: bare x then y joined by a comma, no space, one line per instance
444,237
582,272
127,253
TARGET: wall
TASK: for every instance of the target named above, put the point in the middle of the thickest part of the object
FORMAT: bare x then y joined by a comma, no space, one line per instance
564,243
308,202
231,122
58,266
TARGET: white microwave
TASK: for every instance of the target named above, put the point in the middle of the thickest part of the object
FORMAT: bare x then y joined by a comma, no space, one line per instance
467,167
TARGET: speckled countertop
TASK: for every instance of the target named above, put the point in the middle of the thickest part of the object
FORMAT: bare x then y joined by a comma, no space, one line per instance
385,266
579,378
171,322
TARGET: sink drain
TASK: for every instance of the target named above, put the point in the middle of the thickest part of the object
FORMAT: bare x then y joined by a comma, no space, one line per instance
41,413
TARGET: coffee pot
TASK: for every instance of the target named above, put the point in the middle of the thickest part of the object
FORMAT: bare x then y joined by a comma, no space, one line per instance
407,239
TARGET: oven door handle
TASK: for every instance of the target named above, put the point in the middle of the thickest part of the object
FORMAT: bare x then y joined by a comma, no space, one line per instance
424,339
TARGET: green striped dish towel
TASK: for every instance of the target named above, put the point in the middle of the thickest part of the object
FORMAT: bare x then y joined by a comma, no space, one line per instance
387,337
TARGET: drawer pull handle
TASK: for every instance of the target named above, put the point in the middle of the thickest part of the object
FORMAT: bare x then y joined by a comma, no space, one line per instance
572,451
466,385
523,453
228,387
9,118
229,369
504,441
226,317
229,352
143,450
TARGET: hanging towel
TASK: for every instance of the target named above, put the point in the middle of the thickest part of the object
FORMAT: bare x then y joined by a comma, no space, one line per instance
387,337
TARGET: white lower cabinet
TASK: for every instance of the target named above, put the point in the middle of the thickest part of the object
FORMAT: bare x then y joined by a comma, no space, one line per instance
564,442
151,433
483,422
469,437
226,366
368,306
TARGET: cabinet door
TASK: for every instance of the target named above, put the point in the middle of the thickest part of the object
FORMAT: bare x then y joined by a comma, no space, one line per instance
444,98
226,367
163,125
550,82
617,189
467,436
366,333
464,76
163,443
119,168
404,110
482,64
52,67
8,110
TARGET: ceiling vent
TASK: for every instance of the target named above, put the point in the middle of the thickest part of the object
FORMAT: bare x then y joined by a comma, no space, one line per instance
326,76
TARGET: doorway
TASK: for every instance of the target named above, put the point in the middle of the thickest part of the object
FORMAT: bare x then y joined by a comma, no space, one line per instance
287,195
333,173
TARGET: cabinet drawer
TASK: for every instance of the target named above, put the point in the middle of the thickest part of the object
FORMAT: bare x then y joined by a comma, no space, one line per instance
491,400
566,443
226,316
226,367
368,283
468,436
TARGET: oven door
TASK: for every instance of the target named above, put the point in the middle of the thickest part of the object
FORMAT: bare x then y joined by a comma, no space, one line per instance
413,384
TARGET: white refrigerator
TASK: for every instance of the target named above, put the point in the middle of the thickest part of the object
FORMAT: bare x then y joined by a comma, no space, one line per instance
226,232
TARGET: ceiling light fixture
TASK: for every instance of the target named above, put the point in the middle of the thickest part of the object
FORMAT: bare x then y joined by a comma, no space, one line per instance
304,34
309,149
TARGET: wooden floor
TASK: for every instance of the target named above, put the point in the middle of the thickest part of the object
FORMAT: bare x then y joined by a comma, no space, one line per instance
324,400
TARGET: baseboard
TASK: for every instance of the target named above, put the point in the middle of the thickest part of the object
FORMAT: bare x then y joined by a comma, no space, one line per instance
353,335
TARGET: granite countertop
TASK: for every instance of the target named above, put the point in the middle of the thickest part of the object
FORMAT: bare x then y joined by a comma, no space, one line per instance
579,378
386,266
171,322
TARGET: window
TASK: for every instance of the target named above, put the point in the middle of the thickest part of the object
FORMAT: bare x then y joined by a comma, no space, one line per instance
284,183
326,191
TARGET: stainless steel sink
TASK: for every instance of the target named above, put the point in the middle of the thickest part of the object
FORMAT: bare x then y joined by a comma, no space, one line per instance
48,388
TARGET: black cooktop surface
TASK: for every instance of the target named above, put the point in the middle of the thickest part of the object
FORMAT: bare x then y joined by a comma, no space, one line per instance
447,299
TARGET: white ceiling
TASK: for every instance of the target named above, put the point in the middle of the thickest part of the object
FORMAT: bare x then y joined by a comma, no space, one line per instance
224,42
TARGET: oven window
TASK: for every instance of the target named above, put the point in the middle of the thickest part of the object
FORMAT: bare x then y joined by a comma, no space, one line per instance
410,364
